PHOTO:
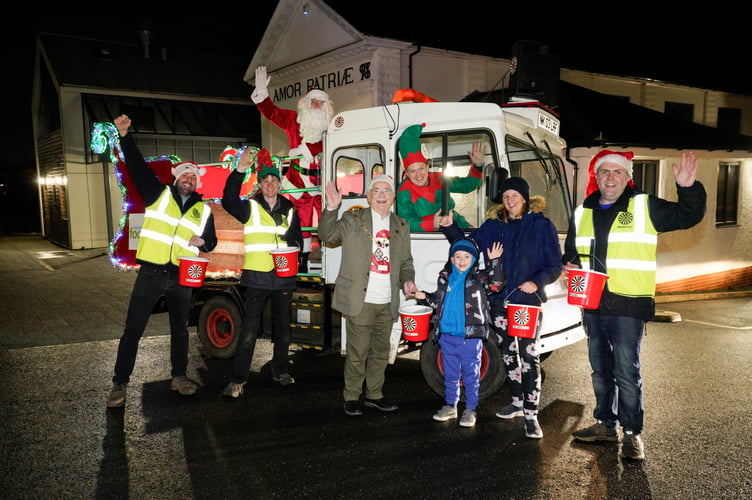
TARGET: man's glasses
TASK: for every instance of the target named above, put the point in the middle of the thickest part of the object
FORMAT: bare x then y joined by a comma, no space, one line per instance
386,191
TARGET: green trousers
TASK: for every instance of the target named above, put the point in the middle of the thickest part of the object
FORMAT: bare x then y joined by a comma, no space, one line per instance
367,351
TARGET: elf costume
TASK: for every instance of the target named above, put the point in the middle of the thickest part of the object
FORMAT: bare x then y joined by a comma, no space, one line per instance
419,204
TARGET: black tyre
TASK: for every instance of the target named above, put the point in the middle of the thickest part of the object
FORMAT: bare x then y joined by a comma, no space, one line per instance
492,373
219,327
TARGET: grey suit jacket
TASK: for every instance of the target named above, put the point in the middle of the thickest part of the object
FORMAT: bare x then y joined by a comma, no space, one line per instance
352,280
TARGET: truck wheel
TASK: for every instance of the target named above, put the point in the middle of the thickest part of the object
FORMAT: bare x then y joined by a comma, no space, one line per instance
219,327
492,373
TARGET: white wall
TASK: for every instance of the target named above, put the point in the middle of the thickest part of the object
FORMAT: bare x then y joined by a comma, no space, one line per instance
85,183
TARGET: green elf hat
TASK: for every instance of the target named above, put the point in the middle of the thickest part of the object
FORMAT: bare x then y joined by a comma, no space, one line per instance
409,145
265,165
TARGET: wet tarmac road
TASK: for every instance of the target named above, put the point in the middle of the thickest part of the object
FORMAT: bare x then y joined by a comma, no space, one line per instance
59,440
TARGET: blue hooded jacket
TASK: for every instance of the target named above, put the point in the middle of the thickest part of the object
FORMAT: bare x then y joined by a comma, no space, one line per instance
471,317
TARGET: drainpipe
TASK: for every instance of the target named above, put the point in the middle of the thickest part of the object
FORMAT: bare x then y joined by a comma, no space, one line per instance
145,36
410,68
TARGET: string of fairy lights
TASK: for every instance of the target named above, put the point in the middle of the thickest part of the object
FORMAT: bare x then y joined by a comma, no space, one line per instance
105,138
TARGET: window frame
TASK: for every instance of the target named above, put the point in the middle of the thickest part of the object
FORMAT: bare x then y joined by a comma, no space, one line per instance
727,194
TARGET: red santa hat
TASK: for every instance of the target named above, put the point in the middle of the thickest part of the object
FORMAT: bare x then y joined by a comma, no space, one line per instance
317,94
382,178
188,166
623,159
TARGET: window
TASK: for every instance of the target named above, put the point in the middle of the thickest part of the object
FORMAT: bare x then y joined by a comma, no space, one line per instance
350,165
730,120
679,110
544,173
201,151
448,160
195,131
728,188
645,175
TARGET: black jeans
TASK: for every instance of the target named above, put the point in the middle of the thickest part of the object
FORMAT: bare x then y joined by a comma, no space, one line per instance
253,311
151,284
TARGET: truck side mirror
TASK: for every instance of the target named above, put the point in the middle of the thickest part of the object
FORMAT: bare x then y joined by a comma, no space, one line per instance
494,184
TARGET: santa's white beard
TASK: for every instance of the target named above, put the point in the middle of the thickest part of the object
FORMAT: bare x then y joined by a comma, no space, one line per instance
313,123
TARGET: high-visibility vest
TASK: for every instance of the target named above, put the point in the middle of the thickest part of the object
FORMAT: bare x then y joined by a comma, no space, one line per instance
166,231
260,235
632,244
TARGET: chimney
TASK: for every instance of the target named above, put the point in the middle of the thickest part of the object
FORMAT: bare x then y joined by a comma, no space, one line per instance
145,36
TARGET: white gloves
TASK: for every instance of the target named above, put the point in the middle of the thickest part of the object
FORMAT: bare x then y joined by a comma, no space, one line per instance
303,151
262,82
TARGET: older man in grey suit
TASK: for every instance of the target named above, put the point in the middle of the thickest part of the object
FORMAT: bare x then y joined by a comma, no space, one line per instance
376,262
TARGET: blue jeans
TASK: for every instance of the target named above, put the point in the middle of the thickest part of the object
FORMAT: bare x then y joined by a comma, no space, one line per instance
614,352
253,312
151,284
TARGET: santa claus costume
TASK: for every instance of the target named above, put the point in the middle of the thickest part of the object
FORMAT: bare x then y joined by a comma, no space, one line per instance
304,129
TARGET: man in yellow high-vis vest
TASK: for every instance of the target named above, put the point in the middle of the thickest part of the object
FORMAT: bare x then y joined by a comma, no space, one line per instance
269,221
177,223
615,231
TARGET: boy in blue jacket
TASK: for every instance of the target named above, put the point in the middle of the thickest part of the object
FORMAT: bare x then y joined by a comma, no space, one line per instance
461,322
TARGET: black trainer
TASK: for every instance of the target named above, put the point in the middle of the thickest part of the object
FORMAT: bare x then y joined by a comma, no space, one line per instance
382,404
352,408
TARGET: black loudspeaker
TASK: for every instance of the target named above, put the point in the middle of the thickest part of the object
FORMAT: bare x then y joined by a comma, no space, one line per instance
537,74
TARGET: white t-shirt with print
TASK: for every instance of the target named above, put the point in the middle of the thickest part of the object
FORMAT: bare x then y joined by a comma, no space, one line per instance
379,290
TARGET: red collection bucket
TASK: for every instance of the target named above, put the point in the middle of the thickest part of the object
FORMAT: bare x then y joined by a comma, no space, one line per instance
192,270
522,320
585,287
285,261
416,322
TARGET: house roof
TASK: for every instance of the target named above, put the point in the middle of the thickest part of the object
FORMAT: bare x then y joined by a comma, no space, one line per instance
593,119
200,94
590,118
120,66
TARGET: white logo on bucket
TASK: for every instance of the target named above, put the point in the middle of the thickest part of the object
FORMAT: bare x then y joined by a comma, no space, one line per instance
280,261
521,317
578,284
409,324
195,271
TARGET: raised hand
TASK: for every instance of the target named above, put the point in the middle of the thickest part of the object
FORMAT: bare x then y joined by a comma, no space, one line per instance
443,220
333,197
686,172
246,159
478,154
496,250
262,81
123,123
